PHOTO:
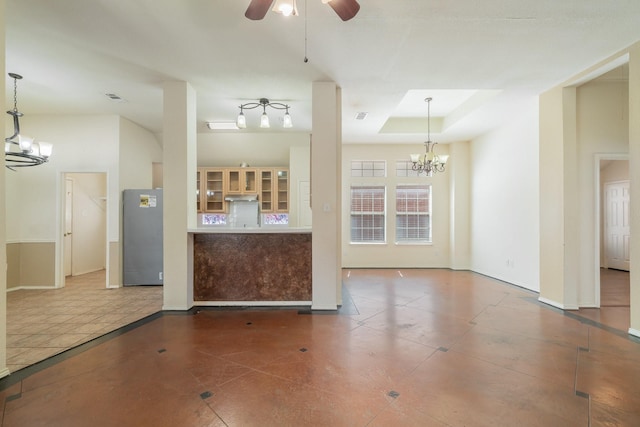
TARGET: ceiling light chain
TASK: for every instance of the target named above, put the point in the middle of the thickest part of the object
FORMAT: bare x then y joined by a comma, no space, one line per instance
430,162
28,153
241,122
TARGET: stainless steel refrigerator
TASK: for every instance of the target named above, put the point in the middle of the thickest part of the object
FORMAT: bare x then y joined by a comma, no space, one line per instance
142,237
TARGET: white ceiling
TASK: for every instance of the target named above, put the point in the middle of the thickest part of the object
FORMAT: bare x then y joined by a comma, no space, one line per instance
492,54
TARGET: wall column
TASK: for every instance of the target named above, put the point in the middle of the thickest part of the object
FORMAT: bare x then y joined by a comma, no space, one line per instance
634,177
326,166
179,183
3,220
458,168
559,239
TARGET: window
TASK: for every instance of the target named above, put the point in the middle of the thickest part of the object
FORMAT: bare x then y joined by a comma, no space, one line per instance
369,168
367,214
413,213
404,169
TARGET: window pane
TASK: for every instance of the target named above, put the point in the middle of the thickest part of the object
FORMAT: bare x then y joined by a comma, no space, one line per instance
413,213
367,214
369,168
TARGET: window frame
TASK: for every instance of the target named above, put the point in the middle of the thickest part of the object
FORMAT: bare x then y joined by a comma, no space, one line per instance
380,215
428,240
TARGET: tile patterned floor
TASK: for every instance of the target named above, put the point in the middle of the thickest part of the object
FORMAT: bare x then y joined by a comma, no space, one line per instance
408,348
42,323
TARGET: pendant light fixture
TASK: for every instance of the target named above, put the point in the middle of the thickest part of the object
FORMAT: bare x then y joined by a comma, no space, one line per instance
241,121
21,150
429,162
286,7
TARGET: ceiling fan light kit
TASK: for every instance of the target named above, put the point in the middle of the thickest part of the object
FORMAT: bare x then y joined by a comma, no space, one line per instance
286,7
257,10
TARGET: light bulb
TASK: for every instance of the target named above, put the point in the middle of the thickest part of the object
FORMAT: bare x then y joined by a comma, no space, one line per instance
264,120
25,143
45,149
241,122
286,122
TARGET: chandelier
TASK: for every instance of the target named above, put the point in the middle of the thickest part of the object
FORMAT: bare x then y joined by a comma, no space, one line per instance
241,122
20,150
429,162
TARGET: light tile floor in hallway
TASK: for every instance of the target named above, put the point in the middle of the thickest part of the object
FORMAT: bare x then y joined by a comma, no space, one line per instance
408,348
42,323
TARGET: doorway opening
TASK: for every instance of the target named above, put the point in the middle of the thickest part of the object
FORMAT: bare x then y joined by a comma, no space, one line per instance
84,232
613,234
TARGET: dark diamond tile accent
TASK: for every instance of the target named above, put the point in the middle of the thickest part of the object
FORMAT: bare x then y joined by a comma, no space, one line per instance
13,397
394,394
443,349
582,394
162,350
205,395
249,323
583,349
303,350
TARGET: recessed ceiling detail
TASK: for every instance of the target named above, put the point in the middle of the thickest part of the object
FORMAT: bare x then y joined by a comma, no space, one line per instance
450,107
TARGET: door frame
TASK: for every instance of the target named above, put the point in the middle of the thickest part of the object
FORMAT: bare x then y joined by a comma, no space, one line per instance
598,203
60,225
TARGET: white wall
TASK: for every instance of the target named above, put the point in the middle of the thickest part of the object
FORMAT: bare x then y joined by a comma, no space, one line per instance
603,127
504,200
80,144
139,149
435,255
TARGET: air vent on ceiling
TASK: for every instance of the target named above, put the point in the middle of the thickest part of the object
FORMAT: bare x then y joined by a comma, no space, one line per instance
361,115
115,98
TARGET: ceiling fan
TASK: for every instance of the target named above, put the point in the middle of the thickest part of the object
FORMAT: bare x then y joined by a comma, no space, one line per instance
346,9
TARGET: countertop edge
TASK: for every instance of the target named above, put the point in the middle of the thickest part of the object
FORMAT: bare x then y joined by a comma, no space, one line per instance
261,230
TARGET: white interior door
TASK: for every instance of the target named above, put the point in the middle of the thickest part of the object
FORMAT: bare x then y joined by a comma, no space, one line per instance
617,230
68,226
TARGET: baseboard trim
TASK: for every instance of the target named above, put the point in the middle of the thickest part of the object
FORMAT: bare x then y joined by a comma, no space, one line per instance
4,372
19,288
251,303
551,303
634,332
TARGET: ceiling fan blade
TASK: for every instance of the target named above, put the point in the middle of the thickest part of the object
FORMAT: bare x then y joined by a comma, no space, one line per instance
258,9
346,9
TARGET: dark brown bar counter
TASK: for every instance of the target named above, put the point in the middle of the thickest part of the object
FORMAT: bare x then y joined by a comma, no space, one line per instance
252,267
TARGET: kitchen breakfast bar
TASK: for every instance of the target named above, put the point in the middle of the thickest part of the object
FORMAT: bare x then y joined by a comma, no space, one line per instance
251,266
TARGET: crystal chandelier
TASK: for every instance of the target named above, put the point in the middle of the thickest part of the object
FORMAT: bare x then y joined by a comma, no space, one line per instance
20,150
429,162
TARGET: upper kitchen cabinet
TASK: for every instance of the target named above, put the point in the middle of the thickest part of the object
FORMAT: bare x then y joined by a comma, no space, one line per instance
199,190
274,190
212,196
242,181
266,190
281,190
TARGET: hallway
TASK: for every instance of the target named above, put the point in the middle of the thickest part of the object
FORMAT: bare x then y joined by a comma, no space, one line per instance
407,348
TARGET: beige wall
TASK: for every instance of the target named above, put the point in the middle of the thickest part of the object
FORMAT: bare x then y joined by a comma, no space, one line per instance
3,276
634,177
259,149
391,254
31,264
551,178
